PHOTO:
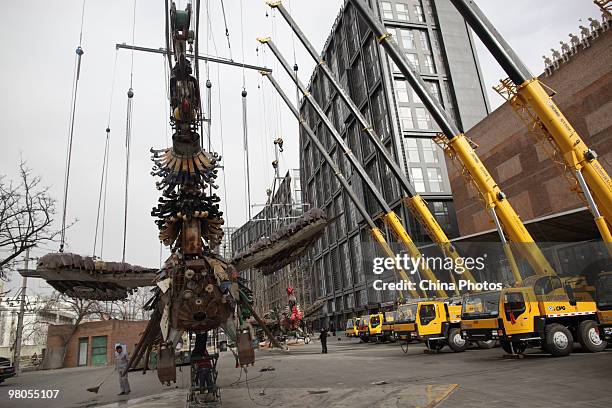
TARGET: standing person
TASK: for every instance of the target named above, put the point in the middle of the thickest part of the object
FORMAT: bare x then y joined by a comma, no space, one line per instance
323,338
121,363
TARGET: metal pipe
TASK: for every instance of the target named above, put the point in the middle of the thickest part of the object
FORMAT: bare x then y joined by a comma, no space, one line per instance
494,42
200,57
507,250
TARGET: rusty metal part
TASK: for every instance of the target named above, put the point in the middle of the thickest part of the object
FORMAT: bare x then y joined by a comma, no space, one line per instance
85,278
285,245
166,365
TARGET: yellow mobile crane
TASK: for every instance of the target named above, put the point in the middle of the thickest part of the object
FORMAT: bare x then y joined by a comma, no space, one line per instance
527,95
547,329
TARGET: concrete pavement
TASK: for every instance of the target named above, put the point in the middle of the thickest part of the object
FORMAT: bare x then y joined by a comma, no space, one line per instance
354,375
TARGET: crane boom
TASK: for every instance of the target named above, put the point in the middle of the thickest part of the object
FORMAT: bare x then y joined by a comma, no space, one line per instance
592,178
458,145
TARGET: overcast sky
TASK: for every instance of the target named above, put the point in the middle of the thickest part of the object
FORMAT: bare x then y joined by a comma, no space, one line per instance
38,39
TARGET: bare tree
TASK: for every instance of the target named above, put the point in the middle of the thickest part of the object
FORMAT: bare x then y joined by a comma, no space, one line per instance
26,215
81,309
132,308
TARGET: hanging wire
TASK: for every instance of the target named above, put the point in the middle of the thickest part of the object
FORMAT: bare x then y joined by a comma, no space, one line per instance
100,195
242,45
75,86
105,161
128,137
227,35
225,198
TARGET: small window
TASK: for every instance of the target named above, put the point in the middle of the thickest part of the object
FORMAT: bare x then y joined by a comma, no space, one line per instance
402,12
434,177
427,313
418,11
387,10
407,38
416,174
401,91
405,114
430,152
514,305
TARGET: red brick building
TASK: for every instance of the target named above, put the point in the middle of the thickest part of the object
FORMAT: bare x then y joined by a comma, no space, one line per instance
533,184
93,343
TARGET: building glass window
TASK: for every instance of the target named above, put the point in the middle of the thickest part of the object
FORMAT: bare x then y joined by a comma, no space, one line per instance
424,40
401,91
357,257
430,151
416,176
434,179
405,114
423,119
418,12
387,10
440,210
402,12
406,38
371,64
412,150
429,66
413,59
380,115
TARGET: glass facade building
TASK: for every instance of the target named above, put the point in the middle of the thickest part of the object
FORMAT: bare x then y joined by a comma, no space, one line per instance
437,42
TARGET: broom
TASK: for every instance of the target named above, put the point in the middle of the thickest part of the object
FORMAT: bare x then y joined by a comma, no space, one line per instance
97,387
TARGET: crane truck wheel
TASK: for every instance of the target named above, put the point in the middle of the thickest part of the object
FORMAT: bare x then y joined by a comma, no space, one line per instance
486,344
588,337
558,340
455,341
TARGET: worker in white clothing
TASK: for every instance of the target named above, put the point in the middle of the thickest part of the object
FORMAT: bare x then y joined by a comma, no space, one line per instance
121,362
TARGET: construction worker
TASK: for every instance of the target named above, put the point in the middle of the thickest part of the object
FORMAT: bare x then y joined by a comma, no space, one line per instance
121,362
323,338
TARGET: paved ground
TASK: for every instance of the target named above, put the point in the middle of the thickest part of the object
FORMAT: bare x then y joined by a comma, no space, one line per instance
352,375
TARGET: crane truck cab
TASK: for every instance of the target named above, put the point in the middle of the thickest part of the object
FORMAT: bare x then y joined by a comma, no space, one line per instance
603,290
404,327
480,318
363,329
388,325
545,312
351,328
375,325
438,323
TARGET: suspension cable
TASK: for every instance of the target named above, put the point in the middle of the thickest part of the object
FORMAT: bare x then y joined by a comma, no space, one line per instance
128,137
242,46
102,178
75,86
225,199
105,161
227,35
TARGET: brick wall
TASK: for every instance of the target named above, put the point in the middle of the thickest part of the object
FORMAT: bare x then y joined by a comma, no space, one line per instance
117,331
533,184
